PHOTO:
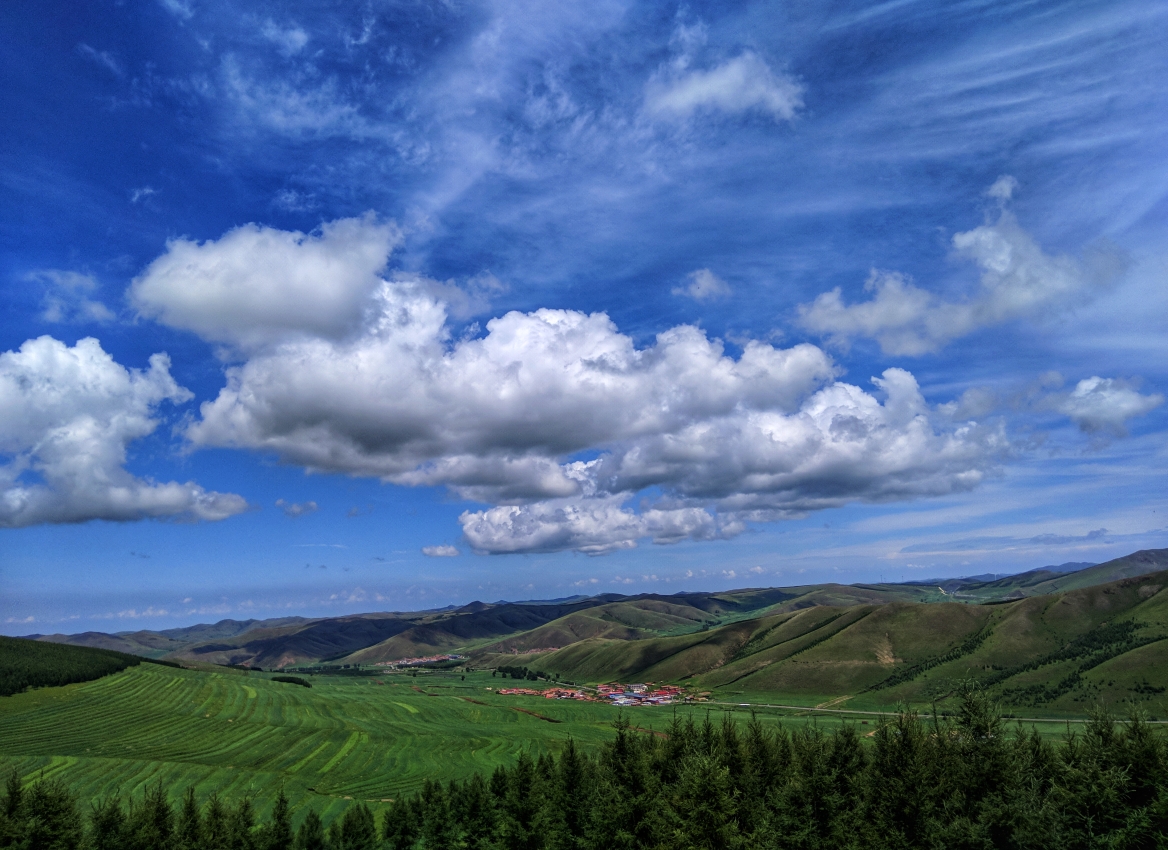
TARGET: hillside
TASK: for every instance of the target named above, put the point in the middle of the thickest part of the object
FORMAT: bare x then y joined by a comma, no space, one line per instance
1063,651
28,664
811,639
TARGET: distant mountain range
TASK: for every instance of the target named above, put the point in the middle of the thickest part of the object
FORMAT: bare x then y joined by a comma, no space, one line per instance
608,634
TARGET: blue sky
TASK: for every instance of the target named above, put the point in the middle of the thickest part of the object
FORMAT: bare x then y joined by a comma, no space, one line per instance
320,308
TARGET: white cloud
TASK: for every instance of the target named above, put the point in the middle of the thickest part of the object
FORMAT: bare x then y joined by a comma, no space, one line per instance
841,445
1105,404
744,83
595,526
498,418
299,105
296,509
491,416
289,40
1018,280
259,285
704,285
445,551
66,418
182,9
1003,188
66,297
102,58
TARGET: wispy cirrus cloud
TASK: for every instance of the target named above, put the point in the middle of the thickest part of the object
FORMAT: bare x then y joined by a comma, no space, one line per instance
744,83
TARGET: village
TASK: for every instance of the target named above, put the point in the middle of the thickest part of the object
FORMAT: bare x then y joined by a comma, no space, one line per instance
419,661
613,693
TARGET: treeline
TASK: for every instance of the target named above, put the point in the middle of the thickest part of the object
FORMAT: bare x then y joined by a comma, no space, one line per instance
523,673
28,664
965,782
293,680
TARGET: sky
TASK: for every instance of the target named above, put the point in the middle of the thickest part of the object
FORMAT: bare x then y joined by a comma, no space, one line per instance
319,308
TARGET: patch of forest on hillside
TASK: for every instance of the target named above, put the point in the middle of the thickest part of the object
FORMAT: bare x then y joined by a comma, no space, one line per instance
919,782
28,664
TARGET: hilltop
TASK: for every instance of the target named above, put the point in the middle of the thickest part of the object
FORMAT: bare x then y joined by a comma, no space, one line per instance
872,642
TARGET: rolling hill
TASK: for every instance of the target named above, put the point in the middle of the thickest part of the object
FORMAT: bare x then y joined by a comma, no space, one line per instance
1044,637
1062,651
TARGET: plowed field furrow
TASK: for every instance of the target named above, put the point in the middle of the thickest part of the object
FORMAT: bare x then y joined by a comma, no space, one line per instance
241,733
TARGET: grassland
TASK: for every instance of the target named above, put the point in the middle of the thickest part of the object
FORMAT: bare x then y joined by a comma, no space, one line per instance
1052,655
841,650
236,732
829,656
31,664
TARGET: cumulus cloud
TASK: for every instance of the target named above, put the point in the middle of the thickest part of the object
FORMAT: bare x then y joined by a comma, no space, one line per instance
1099,406
66,298
557,421
296,509
489,416
67,415
444,551
742,84
258,285
841,444
703,285
1018,280
1105,404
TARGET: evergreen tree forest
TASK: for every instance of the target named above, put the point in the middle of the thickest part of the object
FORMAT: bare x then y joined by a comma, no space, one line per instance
967,781
28,664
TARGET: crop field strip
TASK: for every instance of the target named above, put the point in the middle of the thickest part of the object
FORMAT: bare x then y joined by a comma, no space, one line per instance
230,733
234,734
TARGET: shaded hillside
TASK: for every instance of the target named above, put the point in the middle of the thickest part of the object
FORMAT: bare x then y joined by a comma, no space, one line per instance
1102,643
606,635
1053,580
28,664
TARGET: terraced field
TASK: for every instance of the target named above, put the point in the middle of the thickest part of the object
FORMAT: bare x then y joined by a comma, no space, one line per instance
239,733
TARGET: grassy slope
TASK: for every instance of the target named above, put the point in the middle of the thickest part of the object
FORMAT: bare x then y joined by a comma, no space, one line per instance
240,733
810,655
600,637
32,664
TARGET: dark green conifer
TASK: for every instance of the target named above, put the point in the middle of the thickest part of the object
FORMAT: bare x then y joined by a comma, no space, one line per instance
277,832
311,835
107,824
188,831
357,829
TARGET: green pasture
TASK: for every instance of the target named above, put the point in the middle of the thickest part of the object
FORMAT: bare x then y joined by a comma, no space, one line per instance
345,738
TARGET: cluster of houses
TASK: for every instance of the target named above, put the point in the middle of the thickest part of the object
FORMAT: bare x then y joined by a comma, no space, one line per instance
416,662
639,694
614,694
549,693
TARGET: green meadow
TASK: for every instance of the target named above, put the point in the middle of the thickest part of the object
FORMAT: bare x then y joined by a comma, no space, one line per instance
359,738
345,738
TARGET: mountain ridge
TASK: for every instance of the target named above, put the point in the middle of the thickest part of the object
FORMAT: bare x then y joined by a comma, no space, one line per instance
587,627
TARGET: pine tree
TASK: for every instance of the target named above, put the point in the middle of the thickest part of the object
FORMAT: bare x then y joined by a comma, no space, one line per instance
216,829
107,825
357,830
240,826
311,836
277,833
51,820
150,825
401,826
188,833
